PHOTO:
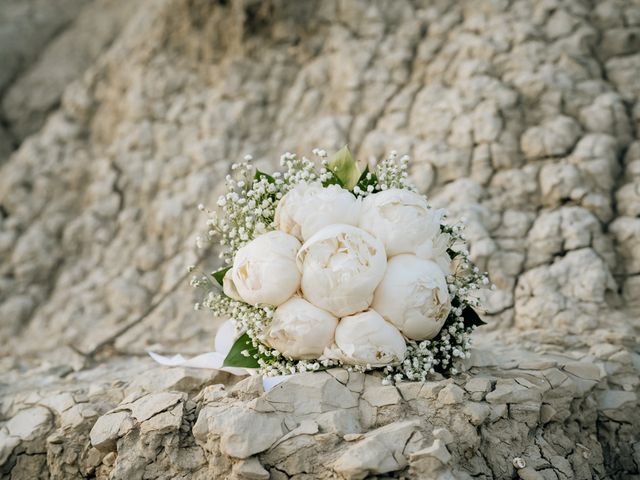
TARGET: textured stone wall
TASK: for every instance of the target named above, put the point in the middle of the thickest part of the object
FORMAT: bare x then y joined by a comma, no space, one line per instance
520,116
44,46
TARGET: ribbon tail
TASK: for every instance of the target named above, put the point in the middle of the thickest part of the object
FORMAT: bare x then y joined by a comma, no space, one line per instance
269,382
214,360
211,360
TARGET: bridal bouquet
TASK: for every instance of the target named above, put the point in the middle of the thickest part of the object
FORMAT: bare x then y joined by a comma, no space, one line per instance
336,263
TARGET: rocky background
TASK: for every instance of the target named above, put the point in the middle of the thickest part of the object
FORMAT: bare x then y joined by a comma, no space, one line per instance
117,118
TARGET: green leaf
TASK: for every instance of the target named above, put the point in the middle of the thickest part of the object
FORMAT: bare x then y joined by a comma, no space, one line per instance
471,318
345,168
219,275
260,175
235,358
332,181
363,182
363,176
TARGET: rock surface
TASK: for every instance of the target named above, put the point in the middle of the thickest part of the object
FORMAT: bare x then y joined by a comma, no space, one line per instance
520,116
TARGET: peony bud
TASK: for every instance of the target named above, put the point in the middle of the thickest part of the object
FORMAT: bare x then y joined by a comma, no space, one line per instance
264,270
300,330
341,267
403,222
413,296
367,339
308,208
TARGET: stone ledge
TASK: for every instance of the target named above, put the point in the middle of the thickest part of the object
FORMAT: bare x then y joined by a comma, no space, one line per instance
129,418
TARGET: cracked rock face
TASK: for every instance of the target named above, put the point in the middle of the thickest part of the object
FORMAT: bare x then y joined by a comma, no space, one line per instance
520,116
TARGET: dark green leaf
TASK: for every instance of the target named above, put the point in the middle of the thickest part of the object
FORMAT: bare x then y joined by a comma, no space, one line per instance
364,182
235,358
219,275
332,181
471,318
452,253
345,168
363,176
260,175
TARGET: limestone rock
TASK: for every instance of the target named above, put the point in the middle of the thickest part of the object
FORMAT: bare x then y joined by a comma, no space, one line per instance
180,379
613,399
431,460
477,412
381,396
342,422
250,469
38,90
322,393
29,424
511,391
585,370
154,403
242,432
570,301
451,394
379,451
19,18
478,384
520,120
552,139
627,233
106,431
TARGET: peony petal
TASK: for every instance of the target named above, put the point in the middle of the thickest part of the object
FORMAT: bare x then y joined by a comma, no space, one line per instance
229,288
341,267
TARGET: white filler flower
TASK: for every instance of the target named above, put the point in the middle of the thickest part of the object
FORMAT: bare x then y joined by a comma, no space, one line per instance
413,296
300,330
264,271
341,267
402,220
367,339
309,207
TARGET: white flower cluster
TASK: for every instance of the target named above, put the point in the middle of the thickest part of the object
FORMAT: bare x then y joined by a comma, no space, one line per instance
336,266
391,174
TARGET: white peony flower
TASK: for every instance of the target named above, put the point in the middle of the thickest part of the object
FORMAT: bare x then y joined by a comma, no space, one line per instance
341,267
404,223
264,270
309,207
413,295
367,339
300,330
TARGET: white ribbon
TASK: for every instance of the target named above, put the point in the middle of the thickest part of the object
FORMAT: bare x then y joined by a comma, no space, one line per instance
269,382
206,360
225,337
